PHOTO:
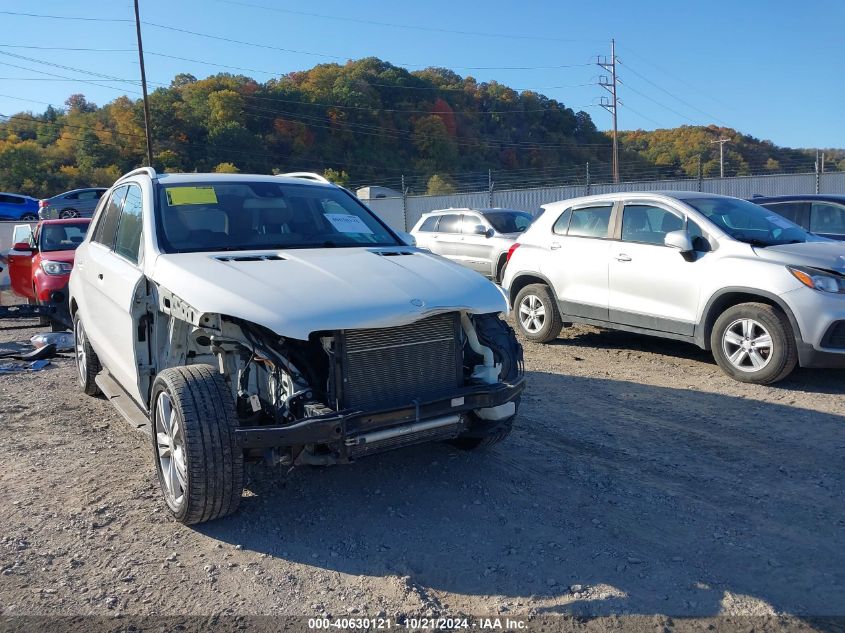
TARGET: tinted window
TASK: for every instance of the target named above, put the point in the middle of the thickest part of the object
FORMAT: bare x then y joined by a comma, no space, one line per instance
748,222
249,215
508,221
790,210
430,224
449,224
11,199
61,237
590,221
128,240
88,195
470,223
72,196
827,217
107,220
562,223
648,224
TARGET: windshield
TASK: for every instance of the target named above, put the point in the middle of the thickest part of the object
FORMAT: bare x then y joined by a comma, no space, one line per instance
236,216
508,221
61,237
748,222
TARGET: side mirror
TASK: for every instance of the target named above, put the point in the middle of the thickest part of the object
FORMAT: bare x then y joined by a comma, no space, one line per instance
680,240
24,247
407,238
489,233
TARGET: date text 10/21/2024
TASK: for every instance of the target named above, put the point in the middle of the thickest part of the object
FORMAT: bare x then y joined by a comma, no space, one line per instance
418,624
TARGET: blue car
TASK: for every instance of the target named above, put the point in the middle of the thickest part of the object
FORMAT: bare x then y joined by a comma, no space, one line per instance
17,207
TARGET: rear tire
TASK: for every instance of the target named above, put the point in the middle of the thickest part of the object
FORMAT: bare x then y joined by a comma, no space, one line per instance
67,214
198,460
87,363
536,313
754,343
29,217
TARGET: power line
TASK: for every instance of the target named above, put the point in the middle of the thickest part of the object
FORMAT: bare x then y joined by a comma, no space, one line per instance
677,98
63,17
415,27
660,103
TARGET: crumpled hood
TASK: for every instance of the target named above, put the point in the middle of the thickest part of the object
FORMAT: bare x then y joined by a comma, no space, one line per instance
827,255
326,289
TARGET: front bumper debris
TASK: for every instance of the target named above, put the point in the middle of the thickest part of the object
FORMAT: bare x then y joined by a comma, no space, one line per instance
344,428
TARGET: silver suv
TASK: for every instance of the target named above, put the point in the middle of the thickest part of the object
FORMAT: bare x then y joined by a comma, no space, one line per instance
476,238
732,277
79,203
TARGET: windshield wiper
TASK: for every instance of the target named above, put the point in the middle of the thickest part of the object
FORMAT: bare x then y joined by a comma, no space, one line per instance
753,241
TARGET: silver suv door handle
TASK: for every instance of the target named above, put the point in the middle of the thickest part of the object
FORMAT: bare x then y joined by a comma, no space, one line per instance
554,246
622,257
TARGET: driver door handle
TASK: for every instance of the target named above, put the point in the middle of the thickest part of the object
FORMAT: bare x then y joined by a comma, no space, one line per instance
622,257
554,246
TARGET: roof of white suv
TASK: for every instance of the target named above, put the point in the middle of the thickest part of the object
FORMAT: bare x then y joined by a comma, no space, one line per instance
180,178
632,195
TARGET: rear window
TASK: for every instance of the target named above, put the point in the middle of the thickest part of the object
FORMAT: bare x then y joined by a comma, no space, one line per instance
590,221
430,224
247,215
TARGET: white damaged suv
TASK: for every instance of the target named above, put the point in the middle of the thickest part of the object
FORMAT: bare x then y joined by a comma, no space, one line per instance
248,317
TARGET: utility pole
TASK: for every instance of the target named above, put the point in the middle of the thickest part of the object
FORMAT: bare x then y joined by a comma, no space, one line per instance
610,105
147,122
699,172
490,187
721,143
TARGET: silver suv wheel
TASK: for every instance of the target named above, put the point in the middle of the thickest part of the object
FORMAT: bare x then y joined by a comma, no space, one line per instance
532,313
171,451
81,354
747,345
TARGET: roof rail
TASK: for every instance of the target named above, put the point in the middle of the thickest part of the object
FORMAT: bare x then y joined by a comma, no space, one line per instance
306,175
141,170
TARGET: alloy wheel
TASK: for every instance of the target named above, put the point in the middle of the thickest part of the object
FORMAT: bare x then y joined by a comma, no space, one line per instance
170,447
81,356
532,313
747,345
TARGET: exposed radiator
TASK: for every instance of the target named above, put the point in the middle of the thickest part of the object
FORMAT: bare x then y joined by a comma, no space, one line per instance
394,366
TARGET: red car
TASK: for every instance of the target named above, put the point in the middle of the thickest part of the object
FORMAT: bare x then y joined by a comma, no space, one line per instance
39,269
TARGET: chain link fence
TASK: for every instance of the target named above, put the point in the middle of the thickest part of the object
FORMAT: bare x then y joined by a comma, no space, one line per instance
403,212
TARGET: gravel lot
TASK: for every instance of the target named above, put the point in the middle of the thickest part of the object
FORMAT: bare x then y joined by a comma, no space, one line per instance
638,480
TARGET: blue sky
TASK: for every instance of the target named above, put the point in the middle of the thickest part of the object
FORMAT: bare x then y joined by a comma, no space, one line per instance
772,69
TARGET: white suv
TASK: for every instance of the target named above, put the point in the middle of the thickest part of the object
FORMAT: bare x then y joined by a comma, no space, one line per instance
263,317
722,273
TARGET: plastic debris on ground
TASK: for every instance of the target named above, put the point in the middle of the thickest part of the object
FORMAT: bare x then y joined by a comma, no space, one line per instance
14,368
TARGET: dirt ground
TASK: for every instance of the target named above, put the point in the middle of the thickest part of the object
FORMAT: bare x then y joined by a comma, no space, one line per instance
638,480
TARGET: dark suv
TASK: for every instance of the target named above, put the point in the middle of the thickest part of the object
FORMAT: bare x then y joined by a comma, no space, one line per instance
820,214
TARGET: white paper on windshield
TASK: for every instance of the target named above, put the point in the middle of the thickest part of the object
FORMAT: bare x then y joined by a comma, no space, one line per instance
779,221
346,223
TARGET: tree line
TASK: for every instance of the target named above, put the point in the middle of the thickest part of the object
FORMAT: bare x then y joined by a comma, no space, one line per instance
366,121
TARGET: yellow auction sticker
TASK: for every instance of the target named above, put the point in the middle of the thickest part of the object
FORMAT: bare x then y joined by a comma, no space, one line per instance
178,196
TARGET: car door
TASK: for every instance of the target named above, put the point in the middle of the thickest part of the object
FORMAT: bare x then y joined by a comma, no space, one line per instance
448,235
474,249
85,202
113,268
797,211
652,286
93,265
20,264
577,262
828,219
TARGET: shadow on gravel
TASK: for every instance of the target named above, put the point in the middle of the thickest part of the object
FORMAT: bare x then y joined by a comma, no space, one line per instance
831,381
609,497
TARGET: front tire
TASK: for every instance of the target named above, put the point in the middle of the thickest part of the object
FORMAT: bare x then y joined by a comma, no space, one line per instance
537,315
198,460
87,363
67,214
754,343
